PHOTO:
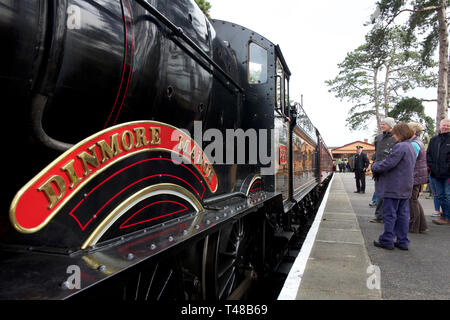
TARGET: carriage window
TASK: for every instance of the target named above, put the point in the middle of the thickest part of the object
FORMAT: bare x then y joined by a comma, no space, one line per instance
257,65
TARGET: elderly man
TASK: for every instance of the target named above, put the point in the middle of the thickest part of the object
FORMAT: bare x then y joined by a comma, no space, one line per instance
438,162
383,145
360,167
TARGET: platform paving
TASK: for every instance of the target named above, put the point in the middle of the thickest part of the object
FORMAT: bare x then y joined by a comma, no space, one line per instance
343,263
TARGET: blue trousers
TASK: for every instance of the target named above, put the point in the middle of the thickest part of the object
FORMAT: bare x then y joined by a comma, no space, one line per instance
396,222
437,204
374,197
442,188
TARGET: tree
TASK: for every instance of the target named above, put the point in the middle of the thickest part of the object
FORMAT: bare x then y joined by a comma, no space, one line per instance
361,80
358,82
205,6
412,109
428,18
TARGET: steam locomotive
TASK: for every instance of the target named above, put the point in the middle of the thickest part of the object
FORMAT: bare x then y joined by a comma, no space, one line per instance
154,153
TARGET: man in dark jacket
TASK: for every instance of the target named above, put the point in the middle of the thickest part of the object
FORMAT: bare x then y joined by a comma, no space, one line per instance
361,165
384,142
438,162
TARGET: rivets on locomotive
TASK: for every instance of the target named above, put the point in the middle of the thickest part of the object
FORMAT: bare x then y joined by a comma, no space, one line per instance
101,268
64,285
169,91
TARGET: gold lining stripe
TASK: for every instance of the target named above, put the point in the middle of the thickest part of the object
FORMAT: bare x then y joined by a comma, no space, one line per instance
256,177
122,208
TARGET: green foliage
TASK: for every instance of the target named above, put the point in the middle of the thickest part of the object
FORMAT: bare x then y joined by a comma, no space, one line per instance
354,81
428,20
424,22
378,73
205,6
412,109
358,120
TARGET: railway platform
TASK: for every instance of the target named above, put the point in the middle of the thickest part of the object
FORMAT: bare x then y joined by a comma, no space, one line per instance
339,261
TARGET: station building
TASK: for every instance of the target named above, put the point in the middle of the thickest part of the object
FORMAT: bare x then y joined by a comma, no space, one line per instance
346,152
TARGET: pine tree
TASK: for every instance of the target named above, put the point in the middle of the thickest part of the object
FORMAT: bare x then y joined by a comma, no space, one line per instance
378,74
205,6
428,18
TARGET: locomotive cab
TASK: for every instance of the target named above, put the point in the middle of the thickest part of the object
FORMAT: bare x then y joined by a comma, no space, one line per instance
264,75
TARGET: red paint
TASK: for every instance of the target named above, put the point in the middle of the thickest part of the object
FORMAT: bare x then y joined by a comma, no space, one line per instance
131,63
72,212
124,225
119,193
283,155
254,185
130,68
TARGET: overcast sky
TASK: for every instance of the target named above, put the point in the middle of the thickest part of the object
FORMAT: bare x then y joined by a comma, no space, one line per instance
314,37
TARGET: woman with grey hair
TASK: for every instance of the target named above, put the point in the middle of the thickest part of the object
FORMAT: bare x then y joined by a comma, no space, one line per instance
417,221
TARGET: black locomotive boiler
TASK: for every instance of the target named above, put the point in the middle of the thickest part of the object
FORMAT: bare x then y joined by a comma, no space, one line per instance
117,184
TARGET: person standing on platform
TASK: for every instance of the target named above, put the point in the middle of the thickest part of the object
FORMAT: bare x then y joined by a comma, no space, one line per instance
437,206
395,176
383,145
417,221
438,162
373,203
360,167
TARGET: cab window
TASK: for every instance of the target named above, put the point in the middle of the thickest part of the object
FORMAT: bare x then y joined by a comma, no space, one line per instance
257,64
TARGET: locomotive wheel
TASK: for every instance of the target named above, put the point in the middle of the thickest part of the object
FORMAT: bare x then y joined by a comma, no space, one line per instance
161,280
223,265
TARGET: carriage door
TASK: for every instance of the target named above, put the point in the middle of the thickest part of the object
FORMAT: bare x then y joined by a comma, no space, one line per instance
281,132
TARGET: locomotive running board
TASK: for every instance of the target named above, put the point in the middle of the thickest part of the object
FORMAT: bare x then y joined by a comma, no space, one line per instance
24,278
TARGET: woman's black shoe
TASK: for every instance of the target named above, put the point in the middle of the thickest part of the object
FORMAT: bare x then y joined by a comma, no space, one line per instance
379,245
401,248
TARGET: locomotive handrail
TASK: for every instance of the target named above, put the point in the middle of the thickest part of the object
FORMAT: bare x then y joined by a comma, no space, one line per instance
302,128
38,104
178,31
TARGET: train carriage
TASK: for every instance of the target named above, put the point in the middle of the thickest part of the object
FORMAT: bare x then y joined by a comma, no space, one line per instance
156,153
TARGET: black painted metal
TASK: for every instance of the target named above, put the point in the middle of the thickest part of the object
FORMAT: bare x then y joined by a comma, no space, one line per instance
180,33
71,68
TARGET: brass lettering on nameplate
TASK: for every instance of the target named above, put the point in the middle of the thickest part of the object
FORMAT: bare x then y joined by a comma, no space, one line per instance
40,199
